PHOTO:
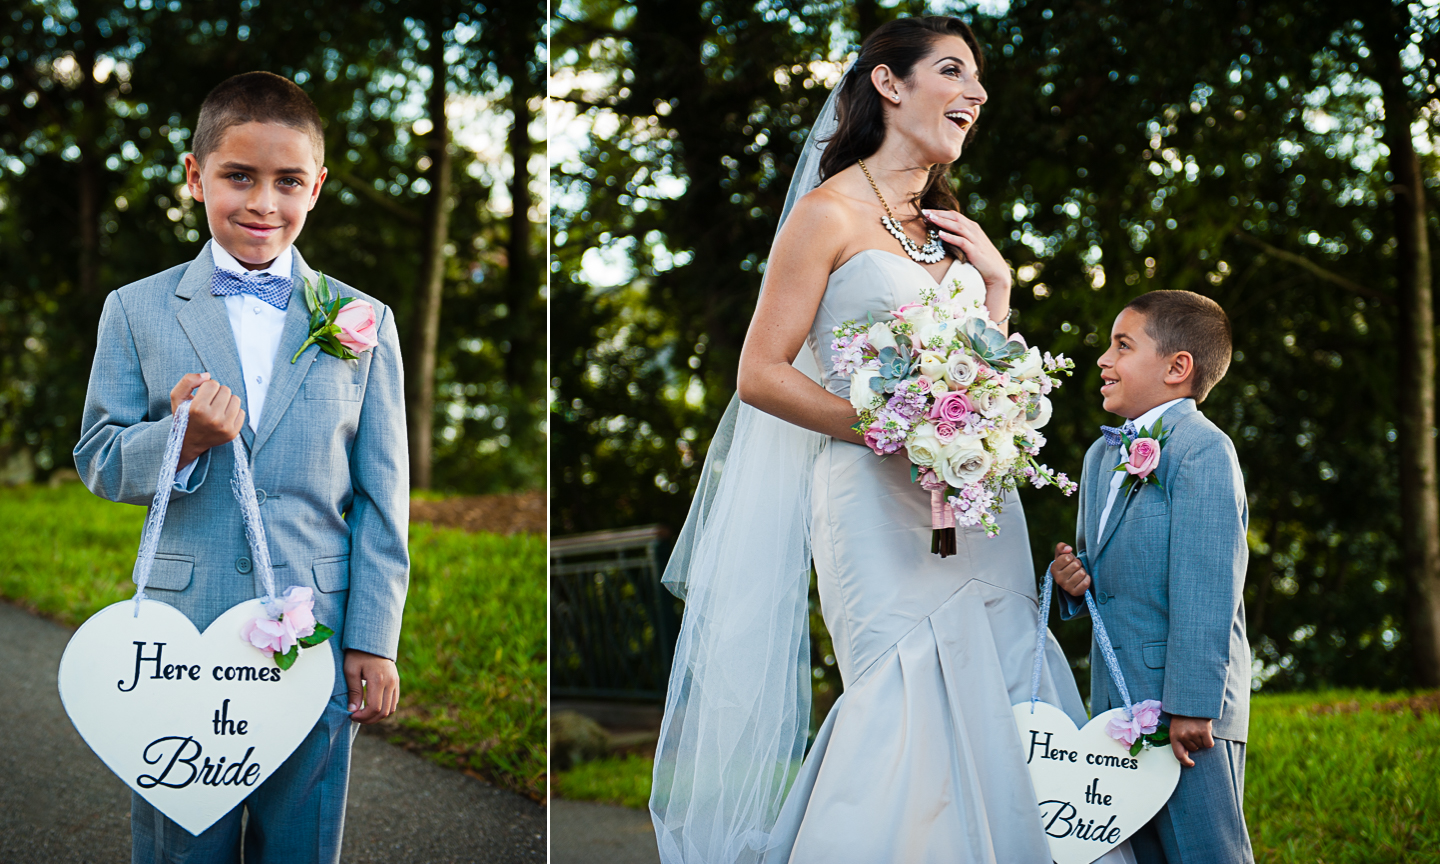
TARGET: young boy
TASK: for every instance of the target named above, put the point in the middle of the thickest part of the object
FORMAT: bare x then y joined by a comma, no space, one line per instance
326,442
1168,562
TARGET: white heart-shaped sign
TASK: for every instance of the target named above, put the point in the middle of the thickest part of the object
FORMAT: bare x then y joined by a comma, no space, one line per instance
1092,793
193,723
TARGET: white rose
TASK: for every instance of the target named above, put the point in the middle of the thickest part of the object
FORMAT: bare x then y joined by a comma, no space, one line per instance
880,336
1039,415
961,369
939,388
1002,444
932,365
922,323
964,461
861,396
987,402
924,447
1028,366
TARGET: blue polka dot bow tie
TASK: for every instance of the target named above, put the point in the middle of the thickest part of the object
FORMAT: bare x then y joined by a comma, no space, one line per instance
1112,433
273,289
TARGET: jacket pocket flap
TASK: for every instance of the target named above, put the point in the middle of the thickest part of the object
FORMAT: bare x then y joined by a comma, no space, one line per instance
332,574
170,572
328,390
1153,653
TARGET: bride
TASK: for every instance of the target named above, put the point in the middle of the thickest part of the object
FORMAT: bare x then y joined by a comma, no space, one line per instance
919,760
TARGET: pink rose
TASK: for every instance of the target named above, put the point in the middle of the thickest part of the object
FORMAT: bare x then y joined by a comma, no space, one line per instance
357,326
900,313
1128,731
1144,457
922,383
269,636
953,406
1147,714
299,611
931,482
945,431
872,439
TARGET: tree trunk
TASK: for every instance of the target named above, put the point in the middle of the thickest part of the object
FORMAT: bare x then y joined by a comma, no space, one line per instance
1419,503
426,334
88,175
521,276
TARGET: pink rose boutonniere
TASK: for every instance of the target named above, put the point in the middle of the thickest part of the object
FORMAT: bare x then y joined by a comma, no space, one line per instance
342,326
1144,456
1143,730
292,627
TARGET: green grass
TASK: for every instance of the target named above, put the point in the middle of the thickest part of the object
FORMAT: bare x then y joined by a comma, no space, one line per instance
472,648
623,780
1355,786
472,654
1342,788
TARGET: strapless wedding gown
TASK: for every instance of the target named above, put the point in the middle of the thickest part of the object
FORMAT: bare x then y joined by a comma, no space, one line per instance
919,760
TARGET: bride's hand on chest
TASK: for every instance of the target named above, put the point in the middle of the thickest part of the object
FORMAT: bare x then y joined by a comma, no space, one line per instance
966,235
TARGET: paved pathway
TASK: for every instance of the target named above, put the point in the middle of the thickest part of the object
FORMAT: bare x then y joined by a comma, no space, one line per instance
62,805
586,833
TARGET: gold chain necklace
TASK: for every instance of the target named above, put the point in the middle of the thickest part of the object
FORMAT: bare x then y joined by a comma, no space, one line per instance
930,253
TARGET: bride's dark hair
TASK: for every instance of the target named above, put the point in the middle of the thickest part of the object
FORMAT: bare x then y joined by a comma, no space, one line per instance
899,44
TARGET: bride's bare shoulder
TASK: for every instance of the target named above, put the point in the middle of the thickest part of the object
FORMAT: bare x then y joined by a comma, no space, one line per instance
820,225
825,205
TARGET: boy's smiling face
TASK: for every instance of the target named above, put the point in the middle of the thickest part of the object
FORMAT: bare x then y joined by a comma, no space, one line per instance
1134,375
257,187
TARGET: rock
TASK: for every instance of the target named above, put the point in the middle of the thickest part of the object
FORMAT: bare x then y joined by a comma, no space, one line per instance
575,738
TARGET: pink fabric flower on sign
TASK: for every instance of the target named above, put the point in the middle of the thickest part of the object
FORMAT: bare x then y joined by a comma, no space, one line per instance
1144,457
299,612
1147,714
953,406
357,326
1126,731
272,637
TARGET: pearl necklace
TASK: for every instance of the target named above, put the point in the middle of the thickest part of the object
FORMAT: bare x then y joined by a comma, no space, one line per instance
932,251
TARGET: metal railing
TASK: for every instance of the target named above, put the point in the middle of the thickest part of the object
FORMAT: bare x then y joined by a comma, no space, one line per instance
612,624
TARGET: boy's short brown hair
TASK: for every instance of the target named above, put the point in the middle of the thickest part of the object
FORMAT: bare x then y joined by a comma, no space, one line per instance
1186,321
256,97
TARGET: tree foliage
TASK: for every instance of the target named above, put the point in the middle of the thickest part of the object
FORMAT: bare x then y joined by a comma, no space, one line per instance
98,100
1127,146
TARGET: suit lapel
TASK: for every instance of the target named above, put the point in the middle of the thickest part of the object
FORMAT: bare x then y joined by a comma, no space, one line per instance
287,377
1117,512
1171,419
206,323
1098,489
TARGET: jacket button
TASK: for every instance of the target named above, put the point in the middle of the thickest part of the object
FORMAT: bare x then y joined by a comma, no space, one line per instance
259,497
243,564
1103,597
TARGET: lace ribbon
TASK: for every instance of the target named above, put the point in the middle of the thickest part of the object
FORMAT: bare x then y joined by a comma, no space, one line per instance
242,483
1101,637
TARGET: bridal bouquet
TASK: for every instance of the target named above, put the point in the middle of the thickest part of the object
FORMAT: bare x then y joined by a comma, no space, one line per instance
942,382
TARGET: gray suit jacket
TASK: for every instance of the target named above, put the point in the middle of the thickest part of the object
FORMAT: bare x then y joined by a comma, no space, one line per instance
330,459
1169,576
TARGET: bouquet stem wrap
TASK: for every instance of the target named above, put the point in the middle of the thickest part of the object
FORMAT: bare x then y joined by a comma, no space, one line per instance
942,520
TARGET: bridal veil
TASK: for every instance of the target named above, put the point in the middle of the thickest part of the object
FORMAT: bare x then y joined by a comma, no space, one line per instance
737,709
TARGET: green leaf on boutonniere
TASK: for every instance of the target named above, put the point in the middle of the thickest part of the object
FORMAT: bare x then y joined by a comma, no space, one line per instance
286,660
320,635
324,308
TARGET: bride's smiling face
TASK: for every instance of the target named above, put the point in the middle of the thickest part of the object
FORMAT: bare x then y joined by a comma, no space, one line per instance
936,108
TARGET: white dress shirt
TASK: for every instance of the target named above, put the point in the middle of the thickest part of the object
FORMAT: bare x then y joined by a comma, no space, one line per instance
258,327
1144,421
